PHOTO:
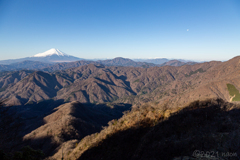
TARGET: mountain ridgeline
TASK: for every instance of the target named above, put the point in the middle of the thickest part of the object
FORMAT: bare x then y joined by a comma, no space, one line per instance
55,59
61,65
98,83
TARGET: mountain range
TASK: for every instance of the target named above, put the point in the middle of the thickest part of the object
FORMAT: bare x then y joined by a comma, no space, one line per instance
120,108
109,83
54,59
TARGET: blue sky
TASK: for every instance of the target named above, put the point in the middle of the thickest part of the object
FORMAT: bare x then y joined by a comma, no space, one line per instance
186,29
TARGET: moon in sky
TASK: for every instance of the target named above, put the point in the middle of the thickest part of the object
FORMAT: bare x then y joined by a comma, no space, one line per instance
187,29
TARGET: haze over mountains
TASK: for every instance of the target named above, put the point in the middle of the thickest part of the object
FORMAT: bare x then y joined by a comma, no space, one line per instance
63,106
55,59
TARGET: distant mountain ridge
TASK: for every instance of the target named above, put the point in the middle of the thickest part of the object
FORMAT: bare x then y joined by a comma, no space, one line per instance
159,61
119,61
50,67
24,65
177,63
51,56
154,61
56,56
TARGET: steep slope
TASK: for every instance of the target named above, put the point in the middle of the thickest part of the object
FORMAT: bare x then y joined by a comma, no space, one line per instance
100,83
212,83
157,83
35,87
71,121
95,84
11,77
153,133
17,121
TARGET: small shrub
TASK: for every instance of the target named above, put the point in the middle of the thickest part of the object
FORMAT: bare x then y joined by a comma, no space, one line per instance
136,81
233,92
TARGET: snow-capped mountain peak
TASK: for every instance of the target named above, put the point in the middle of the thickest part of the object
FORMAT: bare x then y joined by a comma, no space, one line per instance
51,52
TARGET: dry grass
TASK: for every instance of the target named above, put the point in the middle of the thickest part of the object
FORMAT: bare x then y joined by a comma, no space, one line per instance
138,117
155,132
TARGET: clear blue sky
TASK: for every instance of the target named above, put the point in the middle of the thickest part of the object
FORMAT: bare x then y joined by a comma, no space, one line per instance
186,29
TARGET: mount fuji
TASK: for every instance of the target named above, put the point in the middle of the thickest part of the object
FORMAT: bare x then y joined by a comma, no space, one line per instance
50,56
51,52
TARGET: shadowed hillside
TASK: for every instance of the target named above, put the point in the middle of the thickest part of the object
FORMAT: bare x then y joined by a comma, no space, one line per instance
211,125
46,125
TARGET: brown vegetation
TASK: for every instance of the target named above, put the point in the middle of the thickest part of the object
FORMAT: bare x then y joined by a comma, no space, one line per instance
98,83
148,133
163,122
